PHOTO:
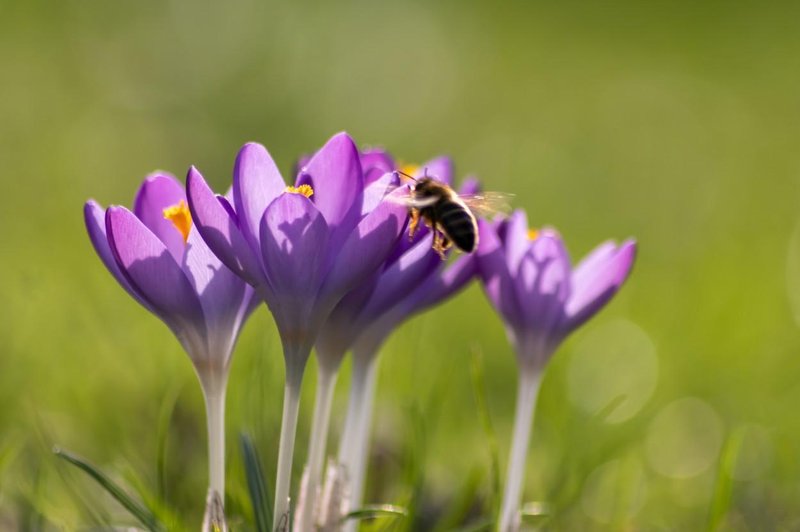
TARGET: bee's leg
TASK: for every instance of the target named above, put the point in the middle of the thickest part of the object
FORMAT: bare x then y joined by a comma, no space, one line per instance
439,241
446,242
413,223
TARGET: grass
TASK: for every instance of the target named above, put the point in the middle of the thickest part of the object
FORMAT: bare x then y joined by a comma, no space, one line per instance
675,124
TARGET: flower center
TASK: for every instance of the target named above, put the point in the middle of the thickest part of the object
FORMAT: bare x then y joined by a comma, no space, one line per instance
533,234
305,190
180,217
407,170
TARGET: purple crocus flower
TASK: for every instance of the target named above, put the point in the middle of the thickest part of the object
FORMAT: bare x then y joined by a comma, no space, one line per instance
413,278
157,255
303,247
529,280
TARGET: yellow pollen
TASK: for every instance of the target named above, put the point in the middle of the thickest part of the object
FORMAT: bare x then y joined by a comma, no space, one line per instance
533,234
408,169
305,190
180,217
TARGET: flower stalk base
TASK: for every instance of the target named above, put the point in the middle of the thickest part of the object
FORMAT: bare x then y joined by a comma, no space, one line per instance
527,394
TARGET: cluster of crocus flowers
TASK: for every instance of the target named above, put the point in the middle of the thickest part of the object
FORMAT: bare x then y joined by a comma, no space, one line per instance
327,255
529,280
157,255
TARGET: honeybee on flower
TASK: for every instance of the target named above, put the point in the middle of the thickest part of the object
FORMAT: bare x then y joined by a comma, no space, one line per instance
451,216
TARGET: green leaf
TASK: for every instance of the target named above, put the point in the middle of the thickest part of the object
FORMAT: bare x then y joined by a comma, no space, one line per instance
138,510
257,487
534,512
378,510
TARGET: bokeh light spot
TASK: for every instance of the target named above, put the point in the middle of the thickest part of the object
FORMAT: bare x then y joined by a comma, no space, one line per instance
684,439
613,371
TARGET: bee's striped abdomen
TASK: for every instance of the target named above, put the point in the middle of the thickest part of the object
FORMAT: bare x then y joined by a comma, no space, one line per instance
458,224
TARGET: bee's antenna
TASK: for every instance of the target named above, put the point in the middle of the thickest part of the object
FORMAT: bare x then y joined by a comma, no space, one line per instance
411,177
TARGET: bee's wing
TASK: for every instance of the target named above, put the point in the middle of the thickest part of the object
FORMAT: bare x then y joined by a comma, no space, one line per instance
412,202
487,204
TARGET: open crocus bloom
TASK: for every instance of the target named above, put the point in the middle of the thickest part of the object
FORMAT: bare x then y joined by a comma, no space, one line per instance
157,255
303,247
528,278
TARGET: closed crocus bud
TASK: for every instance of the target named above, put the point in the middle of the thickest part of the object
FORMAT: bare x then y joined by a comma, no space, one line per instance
528,278
158,257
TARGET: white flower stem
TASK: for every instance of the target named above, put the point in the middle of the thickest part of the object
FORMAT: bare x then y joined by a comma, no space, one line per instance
291,404
215,417
326,382
527,393
354,445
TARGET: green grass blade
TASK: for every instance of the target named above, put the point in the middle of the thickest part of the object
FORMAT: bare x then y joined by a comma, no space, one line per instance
482,405
162,435
136,509
378,510
465,500
256,485
723,488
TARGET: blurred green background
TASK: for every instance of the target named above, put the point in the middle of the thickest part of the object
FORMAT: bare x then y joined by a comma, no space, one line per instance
676,123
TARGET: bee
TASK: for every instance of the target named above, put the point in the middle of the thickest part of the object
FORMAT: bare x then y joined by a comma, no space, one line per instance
449,215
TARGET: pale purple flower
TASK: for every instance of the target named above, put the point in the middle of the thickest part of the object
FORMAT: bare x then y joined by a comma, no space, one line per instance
528,277
157,255
180,280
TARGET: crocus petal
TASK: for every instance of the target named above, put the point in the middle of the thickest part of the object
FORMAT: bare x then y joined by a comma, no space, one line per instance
403,276
584,271
440,168
377,190
151,270
221,292
334,173
375,163
158,192
443,284
293,235
493,269
256,183
469,186
516,239
95,218
219,228
366,248
543,283
595,281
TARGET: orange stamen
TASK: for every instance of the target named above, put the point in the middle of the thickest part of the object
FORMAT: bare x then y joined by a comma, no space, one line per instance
180,217
304,190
